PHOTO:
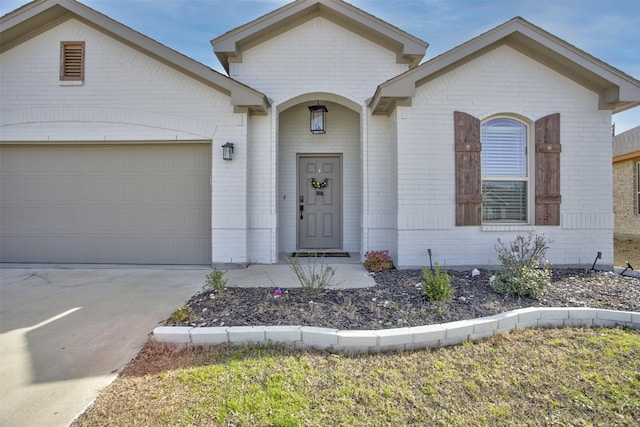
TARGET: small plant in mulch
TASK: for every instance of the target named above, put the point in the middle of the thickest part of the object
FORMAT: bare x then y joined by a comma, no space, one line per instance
313,277
378,261
182,314
521,274
216,281
436,285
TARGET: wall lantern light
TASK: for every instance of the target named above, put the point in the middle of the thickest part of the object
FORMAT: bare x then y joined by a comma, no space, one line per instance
318,118
227,151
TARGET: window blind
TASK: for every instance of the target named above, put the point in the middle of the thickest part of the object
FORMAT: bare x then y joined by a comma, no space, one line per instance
504,148
504,201
504,171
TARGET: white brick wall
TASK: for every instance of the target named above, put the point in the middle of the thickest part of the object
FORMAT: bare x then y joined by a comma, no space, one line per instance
125,96
261,192
501,81
381,191
229,190
317,56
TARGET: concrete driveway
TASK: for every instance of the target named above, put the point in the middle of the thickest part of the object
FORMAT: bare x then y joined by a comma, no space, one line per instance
66,333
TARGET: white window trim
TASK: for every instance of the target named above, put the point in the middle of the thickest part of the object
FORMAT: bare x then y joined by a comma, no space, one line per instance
497,225
71,82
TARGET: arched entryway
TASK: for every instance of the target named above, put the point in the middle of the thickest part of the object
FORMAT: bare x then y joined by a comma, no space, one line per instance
319,176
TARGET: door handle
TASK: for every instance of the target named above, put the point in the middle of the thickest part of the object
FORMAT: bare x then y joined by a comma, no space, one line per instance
301,211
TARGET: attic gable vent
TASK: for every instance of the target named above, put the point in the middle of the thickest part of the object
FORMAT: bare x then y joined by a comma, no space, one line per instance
72,61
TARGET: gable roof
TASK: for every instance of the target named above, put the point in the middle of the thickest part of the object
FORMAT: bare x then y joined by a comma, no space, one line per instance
230,46
617,91
39,16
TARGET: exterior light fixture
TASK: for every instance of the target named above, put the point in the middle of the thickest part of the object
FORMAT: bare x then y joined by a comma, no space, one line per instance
318,118
227,151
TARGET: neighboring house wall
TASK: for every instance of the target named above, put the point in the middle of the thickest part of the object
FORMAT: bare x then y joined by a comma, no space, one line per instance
317,56
625,198
501,81
626,156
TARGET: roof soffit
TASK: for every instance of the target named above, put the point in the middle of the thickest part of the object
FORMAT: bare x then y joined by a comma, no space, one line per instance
39,16
617,91
230,46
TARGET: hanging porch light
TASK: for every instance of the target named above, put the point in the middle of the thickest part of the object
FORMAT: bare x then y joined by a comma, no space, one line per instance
318,119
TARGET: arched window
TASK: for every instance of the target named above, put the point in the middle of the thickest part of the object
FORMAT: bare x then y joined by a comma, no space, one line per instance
493,179
505,171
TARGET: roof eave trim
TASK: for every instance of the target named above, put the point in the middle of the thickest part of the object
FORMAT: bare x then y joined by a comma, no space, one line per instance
240,94
627,156
623,92
228,46
22,14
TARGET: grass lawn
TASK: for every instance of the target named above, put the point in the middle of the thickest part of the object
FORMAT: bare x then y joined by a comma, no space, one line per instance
568,376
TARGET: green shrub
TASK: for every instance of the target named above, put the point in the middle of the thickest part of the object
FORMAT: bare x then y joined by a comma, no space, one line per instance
436,286
377,261
521,274
216,281
528,281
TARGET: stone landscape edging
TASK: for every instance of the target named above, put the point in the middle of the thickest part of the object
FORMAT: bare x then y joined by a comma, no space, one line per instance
397,339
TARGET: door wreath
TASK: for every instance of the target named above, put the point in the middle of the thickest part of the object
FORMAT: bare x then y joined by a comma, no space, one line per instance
320,185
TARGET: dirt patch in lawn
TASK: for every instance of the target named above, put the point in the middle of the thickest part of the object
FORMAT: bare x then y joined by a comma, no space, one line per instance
158,357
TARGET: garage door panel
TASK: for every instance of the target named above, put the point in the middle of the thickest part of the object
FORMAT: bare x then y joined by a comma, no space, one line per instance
103,204
99,249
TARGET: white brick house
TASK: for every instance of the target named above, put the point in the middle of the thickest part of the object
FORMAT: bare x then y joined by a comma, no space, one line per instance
110,142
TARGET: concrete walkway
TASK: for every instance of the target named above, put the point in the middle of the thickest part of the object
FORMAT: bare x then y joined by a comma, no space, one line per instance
66,333
347,275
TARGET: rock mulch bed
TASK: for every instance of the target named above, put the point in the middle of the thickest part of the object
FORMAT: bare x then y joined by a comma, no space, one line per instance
397,301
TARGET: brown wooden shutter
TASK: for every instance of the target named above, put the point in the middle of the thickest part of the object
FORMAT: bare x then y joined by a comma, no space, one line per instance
468,174
72,61
548,170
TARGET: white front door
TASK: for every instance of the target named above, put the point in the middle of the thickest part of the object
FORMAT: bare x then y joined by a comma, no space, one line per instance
319,202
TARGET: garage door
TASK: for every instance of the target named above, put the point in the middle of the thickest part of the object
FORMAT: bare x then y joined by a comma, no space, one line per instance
133,204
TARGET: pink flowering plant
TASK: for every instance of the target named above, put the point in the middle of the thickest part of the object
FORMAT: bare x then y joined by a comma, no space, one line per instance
377,261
